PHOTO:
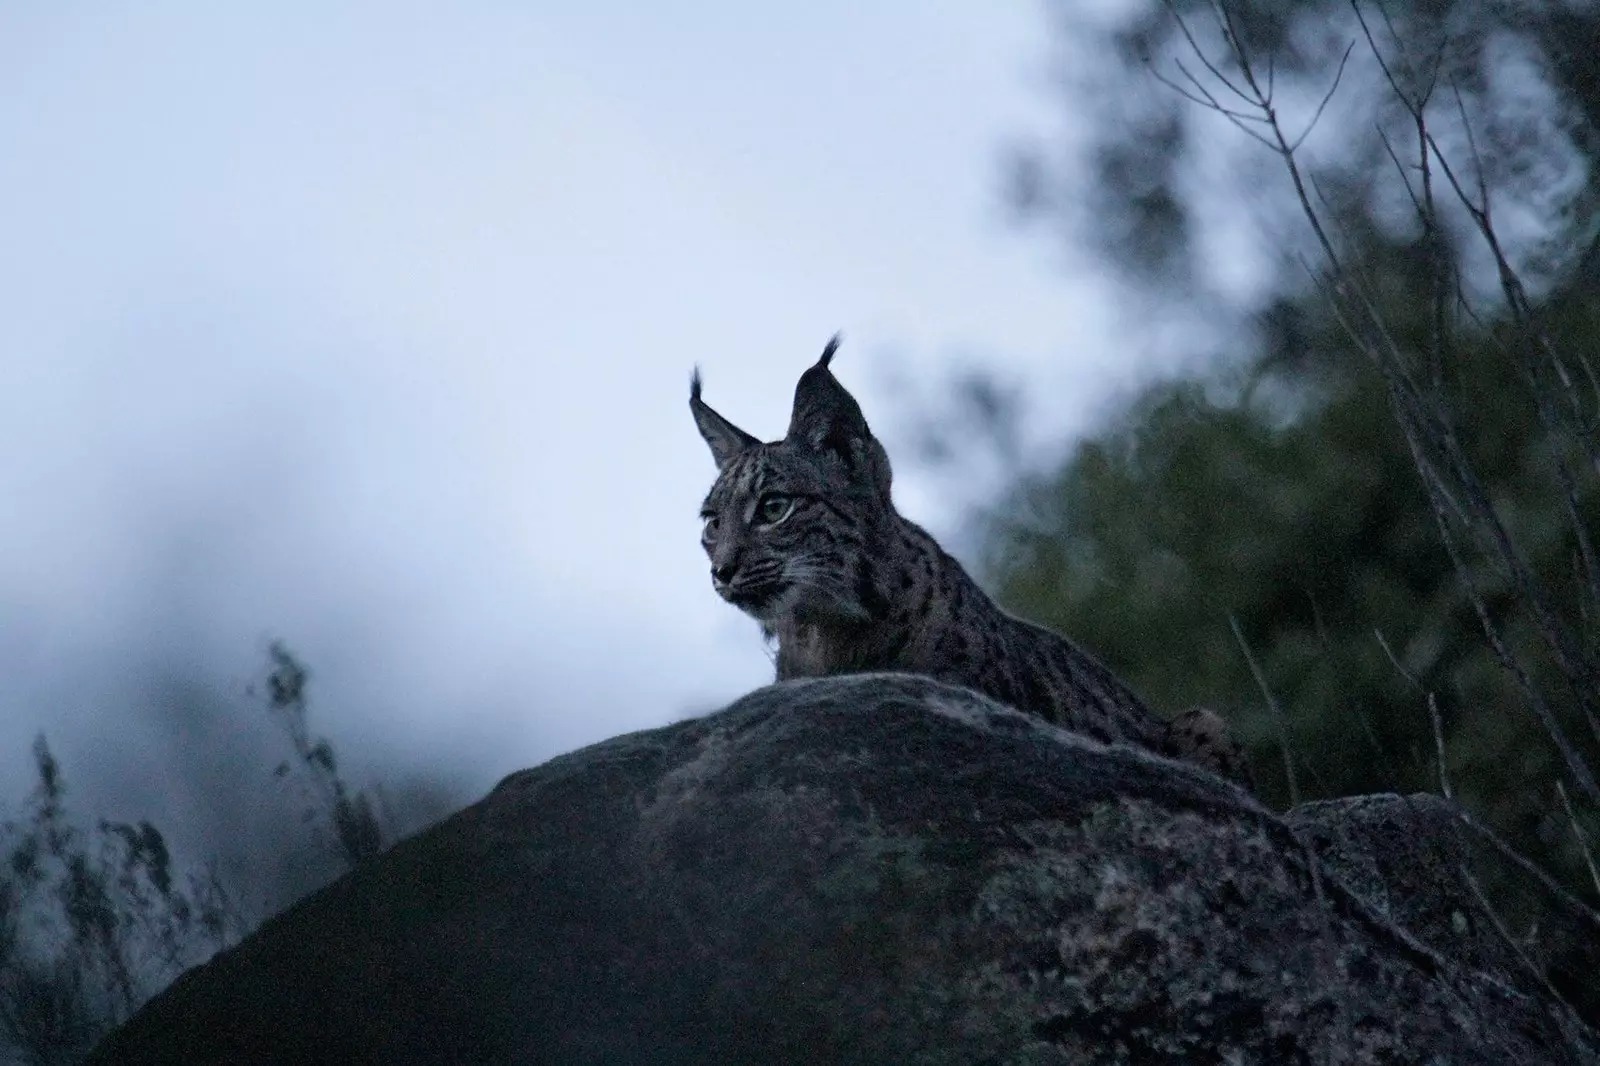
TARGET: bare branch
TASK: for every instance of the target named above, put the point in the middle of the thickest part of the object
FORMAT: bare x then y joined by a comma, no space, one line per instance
1276,709
1505,934
1395,661
1568,901
1438,745
1362,718
1575,762
1338,75
1433,711
1594,381
1433,74
1472,528
1377,53
1205,99
1200,54
1400,168
1230,33
1472,148
1577,831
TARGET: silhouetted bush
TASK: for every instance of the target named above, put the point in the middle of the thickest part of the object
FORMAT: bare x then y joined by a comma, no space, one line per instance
98,916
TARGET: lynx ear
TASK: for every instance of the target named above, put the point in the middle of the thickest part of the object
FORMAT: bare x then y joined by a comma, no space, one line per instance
724,438
828,419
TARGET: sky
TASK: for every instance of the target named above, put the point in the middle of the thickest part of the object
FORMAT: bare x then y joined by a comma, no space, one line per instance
368,327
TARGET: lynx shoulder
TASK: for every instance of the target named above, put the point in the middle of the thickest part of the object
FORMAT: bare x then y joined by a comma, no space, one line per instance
803,536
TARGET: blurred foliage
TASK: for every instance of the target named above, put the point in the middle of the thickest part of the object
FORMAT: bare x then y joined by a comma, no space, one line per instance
1275,488
353,823
1525,70
93,921
97,917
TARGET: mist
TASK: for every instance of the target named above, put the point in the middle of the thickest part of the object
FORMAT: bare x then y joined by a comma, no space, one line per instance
370,332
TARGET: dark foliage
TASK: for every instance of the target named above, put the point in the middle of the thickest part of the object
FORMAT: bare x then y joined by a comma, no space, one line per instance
1386,494
98,916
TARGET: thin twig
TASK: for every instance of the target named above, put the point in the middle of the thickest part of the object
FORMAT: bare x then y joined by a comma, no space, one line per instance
1456,492
1577,831
1438,744
1395,661
1390,773
1439,268
1238,118
1473,153
1433,711
1505,934
1274,707
1338,75
1200,54
1400,168
1575,762
1377,53
1551,886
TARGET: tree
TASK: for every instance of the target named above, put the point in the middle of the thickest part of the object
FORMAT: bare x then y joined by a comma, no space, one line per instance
1385,499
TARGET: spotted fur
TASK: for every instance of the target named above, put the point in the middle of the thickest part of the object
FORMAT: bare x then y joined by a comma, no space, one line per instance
803,536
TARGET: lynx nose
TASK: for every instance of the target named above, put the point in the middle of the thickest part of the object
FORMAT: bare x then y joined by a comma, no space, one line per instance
722,573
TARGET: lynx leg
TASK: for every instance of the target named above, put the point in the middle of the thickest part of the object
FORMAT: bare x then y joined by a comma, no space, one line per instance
1200,736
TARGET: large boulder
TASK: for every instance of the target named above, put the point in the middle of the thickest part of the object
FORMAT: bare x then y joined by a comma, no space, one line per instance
1432,869
873,869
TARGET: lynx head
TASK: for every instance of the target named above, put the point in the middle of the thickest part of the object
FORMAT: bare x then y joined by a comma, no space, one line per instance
788,524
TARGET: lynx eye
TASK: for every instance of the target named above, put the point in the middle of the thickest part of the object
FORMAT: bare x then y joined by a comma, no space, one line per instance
709,531
775,508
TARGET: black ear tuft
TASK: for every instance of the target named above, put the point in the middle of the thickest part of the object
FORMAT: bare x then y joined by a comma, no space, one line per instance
823,410
723,437
831,347
827,419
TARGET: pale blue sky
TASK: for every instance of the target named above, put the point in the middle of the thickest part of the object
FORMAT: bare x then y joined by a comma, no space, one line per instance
369,326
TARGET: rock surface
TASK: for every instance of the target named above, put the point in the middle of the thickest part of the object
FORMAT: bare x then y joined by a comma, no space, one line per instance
1424,866
873,869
